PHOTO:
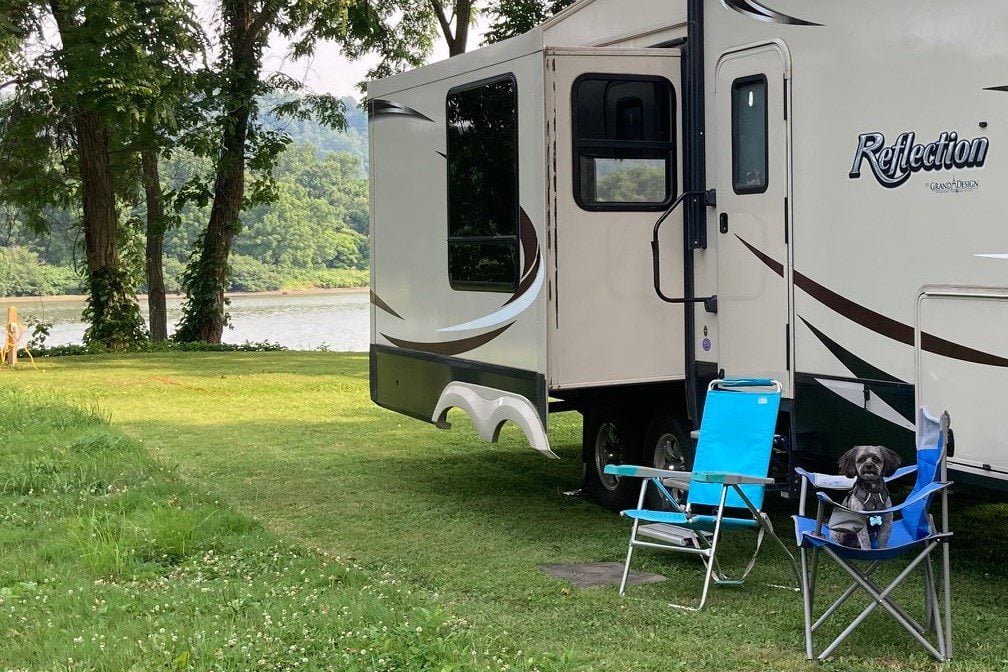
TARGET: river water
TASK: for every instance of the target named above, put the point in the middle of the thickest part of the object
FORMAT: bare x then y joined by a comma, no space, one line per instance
334,321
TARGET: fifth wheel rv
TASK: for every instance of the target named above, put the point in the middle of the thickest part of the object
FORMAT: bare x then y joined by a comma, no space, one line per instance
632,199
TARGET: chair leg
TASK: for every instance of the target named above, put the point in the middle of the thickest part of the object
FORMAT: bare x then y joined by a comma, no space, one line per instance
947,595
881,599
843,598
929,614
814,562
629,554
807,604
787,553
712,558
933,608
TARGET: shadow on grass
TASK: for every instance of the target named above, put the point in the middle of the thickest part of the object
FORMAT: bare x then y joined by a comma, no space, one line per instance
236,364
474,521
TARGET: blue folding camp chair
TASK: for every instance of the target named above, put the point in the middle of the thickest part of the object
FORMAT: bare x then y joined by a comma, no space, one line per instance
914,534
729,476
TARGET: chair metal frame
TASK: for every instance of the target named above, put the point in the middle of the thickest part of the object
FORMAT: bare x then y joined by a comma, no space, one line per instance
705,548
937,611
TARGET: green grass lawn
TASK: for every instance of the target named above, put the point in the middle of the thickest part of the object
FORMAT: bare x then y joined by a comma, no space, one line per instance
292,441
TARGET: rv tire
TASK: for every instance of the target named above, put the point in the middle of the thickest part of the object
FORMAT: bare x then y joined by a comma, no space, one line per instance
612,437
666,446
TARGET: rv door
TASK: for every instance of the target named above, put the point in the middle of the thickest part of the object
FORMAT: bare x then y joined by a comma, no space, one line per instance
752,178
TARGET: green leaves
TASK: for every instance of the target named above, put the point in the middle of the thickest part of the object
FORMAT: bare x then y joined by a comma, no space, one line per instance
514,17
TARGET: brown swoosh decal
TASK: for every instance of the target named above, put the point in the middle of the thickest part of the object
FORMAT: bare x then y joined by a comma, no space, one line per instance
877,322
376,300
855,312
532,257
775,266
524,285
529,241
940,346
450,348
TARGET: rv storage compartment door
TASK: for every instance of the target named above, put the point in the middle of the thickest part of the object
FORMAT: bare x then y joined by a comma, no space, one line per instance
613,144
962,366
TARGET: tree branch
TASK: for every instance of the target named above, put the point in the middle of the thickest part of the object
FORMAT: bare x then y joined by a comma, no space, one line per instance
445,23
266,16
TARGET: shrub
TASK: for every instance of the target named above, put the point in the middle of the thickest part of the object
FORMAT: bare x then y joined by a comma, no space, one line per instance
23,274
251,275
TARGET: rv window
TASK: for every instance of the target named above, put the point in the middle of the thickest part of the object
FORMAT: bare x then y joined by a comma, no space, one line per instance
483,186
623,142
750,160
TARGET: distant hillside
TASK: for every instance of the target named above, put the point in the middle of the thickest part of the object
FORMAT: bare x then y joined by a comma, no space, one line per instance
314,234
325,140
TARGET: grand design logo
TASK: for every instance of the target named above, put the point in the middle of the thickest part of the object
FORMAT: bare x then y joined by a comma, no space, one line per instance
893,165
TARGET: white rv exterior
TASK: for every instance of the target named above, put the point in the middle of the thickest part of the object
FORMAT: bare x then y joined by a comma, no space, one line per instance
839,166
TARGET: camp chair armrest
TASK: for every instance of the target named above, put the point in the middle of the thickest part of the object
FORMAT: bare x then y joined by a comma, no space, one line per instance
634,471
825,481
922,494
901,472
725,478
836,482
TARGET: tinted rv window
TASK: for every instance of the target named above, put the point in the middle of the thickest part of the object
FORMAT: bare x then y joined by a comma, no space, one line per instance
483,186
623,142
749,135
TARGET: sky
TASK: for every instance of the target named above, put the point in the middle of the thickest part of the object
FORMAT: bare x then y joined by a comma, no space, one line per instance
328,71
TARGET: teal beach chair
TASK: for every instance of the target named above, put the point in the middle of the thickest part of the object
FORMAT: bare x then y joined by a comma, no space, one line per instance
726,486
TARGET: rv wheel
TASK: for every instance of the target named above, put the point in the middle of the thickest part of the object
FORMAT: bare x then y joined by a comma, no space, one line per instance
667,446
611,438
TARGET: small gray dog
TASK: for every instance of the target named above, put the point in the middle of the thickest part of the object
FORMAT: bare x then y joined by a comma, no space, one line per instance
868,466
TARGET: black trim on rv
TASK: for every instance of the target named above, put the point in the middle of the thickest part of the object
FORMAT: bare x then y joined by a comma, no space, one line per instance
760,12
379,107
410,382
693,75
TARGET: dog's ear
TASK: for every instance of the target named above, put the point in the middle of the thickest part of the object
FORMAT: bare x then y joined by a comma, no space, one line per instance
890,461
847,463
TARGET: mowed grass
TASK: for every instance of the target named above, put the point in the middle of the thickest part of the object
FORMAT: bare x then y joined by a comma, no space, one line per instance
109,562
293,441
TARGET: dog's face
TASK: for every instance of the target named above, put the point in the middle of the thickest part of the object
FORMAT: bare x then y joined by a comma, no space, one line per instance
869,463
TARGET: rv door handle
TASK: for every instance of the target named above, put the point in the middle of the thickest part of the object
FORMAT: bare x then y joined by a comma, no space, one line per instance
724,222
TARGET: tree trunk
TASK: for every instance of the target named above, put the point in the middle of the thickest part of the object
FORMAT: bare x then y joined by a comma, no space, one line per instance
463,17
206,278
112,307
156,307
205,317
458,39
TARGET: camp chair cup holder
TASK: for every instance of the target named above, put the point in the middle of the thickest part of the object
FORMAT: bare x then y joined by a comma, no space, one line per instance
731,464
915,537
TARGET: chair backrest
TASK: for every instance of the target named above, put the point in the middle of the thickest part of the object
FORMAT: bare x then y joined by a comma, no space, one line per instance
930,456
736,436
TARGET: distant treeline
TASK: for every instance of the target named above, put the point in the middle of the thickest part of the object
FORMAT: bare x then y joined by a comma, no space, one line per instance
314,234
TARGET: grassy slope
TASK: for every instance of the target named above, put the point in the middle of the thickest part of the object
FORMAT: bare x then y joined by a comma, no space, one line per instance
109,562
293,440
